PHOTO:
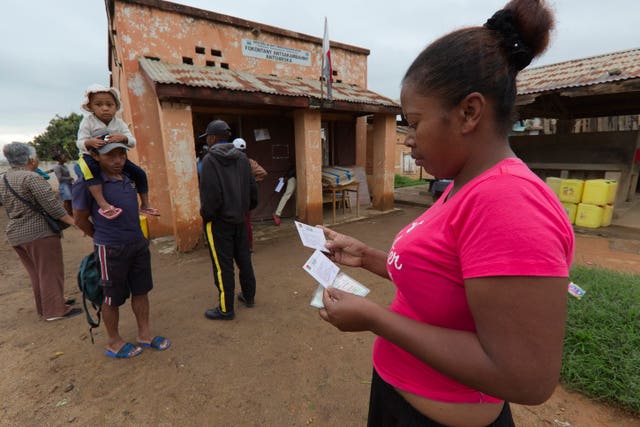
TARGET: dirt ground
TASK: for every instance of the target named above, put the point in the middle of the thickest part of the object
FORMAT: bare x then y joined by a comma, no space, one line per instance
276,364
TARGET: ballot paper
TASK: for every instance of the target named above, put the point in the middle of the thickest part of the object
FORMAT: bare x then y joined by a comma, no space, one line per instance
328,274
343,282
312,237
321,268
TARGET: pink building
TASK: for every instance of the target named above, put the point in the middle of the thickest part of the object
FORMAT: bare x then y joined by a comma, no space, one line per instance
179,67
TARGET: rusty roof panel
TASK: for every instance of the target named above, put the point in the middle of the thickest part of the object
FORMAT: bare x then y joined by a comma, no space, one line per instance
219,78
611,67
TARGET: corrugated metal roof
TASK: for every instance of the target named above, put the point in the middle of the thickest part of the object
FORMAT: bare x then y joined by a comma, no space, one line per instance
611,67
219,78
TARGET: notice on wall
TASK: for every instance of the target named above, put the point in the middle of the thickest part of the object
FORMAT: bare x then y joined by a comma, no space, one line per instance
272,52
261,134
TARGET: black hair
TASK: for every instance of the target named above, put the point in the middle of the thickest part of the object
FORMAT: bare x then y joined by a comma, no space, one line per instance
484,59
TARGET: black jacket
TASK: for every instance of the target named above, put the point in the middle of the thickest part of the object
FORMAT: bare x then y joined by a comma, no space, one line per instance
228,190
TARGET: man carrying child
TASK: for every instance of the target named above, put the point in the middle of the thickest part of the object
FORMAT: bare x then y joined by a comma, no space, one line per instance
120,248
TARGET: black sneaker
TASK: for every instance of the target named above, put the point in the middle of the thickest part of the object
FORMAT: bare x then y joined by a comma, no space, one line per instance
245,301
216,314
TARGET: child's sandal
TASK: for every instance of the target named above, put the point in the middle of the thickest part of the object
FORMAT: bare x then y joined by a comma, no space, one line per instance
110,213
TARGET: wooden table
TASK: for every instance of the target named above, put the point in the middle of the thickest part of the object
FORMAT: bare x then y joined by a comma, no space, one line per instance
352,187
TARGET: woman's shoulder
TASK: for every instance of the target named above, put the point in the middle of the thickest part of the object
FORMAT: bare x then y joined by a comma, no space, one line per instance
21,174
511,173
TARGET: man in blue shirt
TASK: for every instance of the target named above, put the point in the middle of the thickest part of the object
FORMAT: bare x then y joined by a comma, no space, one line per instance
121,250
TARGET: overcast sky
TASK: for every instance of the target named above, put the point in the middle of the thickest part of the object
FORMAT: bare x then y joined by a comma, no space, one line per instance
52,50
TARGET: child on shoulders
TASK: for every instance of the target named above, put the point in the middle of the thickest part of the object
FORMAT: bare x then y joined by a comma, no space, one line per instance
97,129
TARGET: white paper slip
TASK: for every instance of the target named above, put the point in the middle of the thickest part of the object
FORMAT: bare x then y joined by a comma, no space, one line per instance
280,185
349,284
312,237
321,268
343,282
316,299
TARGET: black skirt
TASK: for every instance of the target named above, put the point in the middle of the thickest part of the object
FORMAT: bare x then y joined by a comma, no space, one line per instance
387,408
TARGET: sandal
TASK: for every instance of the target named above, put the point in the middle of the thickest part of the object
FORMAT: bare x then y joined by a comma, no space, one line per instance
150,211
111,213
127,351
158,343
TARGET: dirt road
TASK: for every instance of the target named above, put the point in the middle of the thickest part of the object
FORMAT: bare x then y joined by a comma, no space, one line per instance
276,364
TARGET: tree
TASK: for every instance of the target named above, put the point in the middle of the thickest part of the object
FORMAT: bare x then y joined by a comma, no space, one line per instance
59,137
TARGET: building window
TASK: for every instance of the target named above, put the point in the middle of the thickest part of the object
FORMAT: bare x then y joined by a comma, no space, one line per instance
216,52
408,164
187,60
211,63
199,49
224,65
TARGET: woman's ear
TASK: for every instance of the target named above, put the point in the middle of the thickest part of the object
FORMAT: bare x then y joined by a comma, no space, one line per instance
472,109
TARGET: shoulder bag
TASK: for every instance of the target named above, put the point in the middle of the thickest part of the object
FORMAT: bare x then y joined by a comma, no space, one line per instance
55,225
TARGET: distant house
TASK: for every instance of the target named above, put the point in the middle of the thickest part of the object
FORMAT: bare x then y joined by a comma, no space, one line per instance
179,67
589,109
404,164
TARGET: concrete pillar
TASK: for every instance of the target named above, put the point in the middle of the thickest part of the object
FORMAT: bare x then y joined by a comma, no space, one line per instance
181,174
361,141
384,141
309,166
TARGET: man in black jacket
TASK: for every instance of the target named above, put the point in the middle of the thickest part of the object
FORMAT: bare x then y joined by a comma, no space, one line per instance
228,191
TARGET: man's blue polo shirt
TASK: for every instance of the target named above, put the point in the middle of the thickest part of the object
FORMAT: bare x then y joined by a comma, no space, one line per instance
120,193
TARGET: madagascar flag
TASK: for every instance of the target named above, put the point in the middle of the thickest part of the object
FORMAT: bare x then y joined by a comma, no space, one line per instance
327,71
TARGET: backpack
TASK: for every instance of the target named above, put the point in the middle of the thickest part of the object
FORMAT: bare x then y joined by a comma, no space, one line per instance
89,284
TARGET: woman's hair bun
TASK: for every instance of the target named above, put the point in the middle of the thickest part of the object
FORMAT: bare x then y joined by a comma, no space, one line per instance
517,51
524,26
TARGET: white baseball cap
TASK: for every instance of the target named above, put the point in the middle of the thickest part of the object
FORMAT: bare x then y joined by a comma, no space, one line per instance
240,144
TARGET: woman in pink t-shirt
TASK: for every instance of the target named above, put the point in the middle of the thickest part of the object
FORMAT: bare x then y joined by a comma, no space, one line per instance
481,277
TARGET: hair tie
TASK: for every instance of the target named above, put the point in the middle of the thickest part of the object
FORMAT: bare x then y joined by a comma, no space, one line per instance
518,53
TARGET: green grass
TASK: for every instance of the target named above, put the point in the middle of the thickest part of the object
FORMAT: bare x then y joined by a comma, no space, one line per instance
602,342
404,181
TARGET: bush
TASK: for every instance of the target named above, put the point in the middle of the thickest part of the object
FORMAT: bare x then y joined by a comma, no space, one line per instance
405,181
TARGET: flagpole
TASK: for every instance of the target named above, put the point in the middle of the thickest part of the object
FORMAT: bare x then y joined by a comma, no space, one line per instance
326,78
322,83
322,66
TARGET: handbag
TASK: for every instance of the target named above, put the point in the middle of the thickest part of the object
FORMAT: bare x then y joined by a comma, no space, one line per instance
55,225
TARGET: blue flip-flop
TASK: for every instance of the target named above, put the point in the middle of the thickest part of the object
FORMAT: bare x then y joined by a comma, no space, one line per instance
156,343
125,352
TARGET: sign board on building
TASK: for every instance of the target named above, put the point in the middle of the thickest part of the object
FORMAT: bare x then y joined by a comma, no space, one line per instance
272,52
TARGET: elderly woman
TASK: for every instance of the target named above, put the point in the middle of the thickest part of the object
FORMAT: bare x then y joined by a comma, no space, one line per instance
38,247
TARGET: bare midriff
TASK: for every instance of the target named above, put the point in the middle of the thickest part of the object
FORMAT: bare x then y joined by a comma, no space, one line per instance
454,414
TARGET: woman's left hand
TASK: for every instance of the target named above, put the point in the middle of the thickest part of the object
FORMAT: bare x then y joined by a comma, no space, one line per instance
347,312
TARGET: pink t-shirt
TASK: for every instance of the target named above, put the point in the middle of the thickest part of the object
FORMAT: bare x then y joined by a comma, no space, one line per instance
505,222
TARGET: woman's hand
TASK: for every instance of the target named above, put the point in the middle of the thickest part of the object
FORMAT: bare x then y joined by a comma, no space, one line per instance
348,251
344,249
347,312
68,219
